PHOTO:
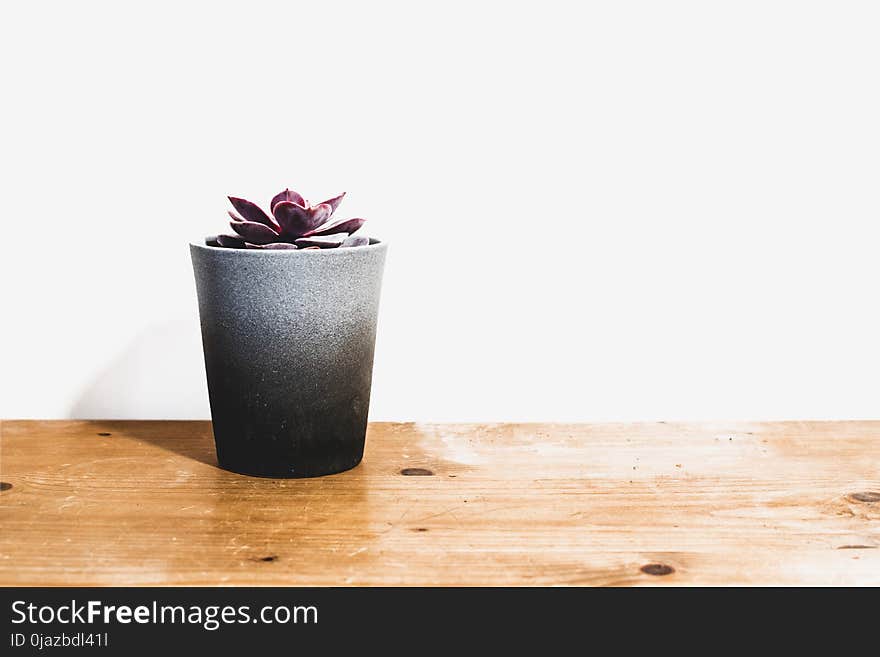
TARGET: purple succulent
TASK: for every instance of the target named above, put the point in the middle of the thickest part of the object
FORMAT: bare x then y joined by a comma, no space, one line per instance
293,224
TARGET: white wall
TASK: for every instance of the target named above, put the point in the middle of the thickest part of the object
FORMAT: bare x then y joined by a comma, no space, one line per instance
606,210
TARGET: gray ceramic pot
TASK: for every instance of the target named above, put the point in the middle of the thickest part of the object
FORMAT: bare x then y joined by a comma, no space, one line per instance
288,339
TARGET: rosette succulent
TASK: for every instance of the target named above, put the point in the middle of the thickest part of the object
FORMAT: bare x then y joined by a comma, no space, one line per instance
293,223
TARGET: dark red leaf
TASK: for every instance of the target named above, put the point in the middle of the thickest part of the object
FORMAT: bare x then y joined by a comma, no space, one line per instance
294,219
325,242
320,214
230,241
342,226
286,195
334,202
274,246
355,240
254,232
251,212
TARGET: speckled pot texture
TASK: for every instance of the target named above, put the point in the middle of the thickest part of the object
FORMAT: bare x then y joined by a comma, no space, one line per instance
288,338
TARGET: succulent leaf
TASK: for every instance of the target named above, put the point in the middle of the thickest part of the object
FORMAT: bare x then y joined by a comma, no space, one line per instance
340,226
355,240
251,212
320,214
274,246
334,202
286,195
230,241
254,232
324,242
294,219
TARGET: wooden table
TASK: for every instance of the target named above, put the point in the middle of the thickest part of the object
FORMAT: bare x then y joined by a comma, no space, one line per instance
138,503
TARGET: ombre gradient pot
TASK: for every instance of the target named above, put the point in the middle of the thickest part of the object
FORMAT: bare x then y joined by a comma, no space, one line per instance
288,338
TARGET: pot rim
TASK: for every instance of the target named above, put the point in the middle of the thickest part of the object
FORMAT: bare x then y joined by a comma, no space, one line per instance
374,245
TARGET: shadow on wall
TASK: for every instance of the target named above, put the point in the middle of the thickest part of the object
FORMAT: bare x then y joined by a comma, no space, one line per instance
159,375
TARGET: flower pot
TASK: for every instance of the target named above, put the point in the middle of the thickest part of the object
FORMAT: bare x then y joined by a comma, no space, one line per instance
288,338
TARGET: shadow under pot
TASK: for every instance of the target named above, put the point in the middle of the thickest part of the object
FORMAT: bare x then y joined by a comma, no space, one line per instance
288,338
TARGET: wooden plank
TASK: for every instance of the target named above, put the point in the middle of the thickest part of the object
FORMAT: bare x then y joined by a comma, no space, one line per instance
115,503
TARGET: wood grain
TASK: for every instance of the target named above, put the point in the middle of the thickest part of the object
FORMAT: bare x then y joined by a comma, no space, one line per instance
138,503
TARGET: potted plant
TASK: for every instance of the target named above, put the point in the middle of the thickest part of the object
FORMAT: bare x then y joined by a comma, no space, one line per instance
288,306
